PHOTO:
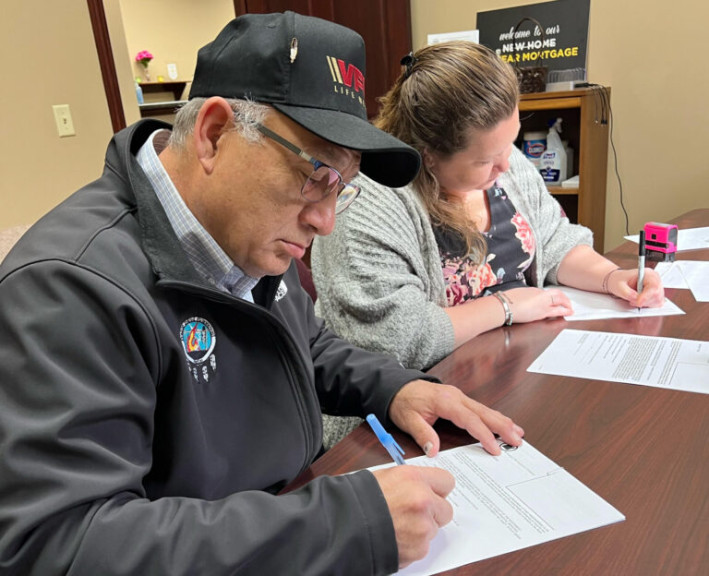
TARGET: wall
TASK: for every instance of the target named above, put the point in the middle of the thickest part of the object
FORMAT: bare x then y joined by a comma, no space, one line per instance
651,54
172,31
47,56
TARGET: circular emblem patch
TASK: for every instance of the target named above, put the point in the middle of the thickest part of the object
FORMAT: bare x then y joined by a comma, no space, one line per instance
198,339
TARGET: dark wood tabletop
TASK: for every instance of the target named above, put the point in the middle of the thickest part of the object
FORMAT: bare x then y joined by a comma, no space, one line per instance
645,450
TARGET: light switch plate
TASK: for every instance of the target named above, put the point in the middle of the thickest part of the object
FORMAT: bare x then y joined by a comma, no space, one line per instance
62,117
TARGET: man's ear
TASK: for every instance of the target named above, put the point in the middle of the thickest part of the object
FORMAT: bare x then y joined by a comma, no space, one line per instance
215,116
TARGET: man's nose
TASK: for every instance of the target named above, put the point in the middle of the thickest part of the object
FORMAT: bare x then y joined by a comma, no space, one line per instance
321,215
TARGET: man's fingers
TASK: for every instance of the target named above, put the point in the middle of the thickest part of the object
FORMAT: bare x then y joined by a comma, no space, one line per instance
424,435
441,481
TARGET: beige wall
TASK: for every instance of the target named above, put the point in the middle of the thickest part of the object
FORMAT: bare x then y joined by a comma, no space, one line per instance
48,56
172,31
651,54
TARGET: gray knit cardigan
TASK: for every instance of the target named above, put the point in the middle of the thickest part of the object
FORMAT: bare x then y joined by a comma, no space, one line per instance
379,278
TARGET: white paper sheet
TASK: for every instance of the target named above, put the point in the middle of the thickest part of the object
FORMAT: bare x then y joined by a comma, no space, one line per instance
696,275
594,306
671,275
690,274
629,358
687,238
506,503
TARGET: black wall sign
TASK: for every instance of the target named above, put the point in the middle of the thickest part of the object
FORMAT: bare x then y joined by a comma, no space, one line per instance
561,46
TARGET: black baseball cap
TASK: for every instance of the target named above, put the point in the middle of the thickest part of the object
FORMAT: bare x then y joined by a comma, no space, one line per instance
311,70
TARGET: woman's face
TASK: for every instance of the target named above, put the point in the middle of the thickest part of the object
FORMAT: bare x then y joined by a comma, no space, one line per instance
477,166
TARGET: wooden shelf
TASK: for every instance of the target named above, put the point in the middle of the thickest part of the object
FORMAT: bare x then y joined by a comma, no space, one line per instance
584,126
150,109
176,87
560,191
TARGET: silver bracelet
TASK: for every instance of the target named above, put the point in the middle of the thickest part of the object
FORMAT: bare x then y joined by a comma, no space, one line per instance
508,313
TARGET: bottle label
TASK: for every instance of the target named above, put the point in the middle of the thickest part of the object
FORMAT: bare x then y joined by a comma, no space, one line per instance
549,174
534,148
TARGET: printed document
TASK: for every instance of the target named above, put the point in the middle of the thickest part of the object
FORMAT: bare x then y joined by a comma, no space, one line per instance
647,360
594,306
505,503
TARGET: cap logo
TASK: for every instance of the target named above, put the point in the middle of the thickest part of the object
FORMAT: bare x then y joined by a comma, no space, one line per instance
348,79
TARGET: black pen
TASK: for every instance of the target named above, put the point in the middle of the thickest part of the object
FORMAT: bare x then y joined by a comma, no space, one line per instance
641,262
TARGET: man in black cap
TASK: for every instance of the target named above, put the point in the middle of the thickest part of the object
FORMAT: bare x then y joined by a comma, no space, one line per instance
162,372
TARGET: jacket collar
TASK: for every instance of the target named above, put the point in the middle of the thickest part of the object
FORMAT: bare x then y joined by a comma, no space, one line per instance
160,243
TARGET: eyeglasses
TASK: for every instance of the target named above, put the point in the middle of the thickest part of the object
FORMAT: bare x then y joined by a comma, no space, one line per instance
324,179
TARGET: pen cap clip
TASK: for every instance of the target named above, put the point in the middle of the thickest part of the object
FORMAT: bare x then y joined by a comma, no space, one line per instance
384,437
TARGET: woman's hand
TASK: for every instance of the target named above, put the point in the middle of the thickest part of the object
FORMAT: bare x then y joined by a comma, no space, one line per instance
530,304
624,284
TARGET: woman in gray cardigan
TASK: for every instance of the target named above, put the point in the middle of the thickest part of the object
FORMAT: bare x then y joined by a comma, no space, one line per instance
468,246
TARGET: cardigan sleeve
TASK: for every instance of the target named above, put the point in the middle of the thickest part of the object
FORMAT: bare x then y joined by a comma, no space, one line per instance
555,235
374,286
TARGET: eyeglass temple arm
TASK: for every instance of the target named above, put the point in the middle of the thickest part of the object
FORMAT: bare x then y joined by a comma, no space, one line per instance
283,142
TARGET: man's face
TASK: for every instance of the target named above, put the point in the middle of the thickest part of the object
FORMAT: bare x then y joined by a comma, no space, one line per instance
252,203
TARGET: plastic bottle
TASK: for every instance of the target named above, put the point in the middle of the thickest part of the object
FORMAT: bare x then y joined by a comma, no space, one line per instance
553,163
569,158
138,93
533,146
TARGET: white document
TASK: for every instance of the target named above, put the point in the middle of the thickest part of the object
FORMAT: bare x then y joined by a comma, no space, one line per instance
690,274
505,503
671,275
696,275
594,306
687,239
647,360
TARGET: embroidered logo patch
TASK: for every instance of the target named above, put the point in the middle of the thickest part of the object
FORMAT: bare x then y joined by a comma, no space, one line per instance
198,340
282,291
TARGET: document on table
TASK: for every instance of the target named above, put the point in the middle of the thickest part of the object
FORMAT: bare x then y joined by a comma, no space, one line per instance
505,503
687,238
629,358
690,274
594,306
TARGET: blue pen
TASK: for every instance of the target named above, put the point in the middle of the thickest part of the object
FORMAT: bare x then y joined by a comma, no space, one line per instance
387,440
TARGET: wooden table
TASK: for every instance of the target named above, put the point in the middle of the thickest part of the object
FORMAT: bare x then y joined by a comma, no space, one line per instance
644,450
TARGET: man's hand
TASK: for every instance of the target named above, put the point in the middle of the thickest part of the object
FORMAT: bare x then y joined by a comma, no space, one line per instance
418,405
416,497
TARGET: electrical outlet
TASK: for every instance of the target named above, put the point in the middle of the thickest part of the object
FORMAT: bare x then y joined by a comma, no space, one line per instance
172,71
62,116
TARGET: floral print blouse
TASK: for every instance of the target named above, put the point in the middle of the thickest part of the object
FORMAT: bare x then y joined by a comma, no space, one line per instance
510,251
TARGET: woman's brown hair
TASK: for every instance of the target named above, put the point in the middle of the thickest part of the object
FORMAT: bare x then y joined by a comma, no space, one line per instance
444,91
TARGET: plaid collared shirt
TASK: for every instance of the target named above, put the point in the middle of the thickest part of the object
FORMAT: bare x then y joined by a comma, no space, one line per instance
206,255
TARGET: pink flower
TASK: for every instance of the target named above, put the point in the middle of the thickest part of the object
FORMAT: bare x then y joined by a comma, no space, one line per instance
455,294
524,233
480,277
143,57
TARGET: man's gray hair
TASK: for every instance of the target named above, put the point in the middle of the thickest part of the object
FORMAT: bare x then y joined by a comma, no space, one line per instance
246,115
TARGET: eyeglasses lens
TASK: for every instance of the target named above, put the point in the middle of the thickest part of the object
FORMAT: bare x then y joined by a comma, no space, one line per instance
321,182
346,197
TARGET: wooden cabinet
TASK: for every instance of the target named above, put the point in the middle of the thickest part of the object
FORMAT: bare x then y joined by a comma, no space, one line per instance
162,107
175,87
584,114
